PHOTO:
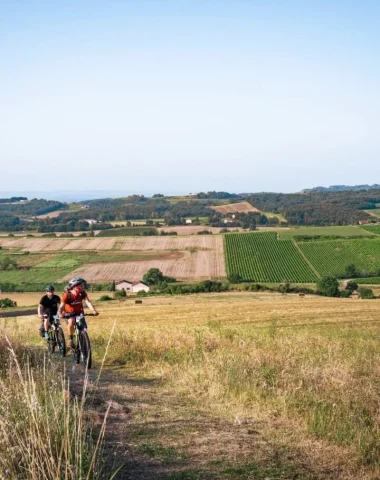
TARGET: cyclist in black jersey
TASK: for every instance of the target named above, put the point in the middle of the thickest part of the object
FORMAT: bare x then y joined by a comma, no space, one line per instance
47,307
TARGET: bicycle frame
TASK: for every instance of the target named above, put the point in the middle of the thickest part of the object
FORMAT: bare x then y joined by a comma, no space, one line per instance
55,335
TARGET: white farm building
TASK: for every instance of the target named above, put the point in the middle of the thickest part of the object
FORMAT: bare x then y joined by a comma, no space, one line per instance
132,287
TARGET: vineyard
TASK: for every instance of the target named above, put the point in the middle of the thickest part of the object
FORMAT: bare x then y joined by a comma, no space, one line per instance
331,257
372,228
261,257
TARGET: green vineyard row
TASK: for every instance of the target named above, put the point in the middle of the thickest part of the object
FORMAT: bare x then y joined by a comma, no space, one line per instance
261,257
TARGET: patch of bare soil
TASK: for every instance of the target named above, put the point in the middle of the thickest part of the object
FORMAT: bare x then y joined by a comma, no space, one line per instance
154,433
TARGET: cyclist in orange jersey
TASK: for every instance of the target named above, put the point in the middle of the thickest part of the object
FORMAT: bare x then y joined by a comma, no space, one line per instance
72,304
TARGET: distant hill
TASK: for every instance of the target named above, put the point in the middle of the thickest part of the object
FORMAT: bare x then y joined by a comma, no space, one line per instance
342,188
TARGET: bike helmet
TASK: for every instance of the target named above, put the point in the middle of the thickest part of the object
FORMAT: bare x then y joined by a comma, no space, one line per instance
49,288
76,281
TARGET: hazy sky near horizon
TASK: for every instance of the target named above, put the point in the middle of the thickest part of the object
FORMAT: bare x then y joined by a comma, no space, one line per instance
183,96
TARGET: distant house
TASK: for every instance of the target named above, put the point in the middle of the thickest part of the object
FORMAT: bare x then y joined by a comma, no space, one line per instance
140,287
90,221
363,222
228,220
124,284
188,221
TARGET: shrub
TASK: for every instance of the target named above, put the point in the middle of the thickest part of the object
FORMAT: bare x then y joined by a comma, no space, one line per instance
105,298
7,302
235,278
120,293
366,293
345,293
8,263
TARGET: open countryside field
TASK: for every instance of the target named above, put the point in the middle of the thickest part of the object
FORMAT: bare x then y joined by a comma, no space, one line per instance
243,207
375,212
198,264
31,299
234,386
343,231
102,259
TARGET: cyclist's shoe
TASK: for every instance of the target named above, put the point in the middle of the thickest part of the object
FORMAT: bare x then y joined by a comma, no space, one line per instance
46,335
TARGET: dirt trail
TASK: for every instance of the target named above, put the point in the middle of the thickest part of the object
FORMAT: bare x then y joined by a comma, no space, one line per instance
154,433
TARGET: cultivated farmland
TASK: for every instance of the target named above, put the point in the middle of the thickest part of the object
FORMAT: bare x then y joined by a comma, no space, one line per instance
243,207
261,257
332,256
199,259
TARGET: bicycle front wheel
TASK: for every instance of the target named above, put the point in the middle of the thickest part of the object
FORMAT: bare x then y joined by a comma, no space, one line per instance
51,342
85,349
61,342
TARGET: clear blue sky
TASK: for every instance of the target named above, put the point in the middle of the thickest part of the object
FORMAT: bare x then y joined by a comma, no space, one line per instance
183,96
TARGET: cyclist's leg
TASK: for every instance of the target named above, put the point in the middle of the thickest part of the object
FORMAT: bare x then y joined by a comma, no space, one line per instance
70,323
46,325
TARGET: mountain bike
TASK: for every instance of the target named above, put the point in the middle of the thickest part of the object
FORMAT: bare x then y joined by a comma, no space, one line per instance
81,348
56,337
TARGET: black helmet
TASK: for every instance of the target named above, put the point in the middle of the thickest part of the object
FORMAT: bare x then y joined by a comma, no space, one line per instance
76,281
49,288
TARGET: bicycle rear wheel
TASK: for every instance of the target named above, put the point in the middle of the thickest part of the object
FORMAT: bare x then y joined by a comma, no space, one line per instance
85,349
51,341
61,342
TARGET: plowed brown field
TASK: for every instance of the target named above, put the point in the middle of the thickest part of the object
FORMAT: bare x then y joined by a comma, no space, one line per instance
201,258
194,257
244,207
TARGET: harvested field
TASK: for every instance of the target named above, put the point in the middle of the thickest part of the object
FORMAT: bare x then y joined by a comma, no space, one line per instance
127,243
207,261
207,242
57,244
52,214
91,244
194,229
242,207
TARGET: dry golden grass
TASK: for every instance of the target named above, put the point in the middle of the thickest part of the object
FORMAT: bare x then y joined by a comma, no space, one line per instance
306,365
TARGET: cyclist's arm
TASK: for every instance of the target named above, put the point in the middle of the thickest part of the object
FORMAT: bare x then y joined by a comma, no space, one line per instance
61,309
40,311
91,306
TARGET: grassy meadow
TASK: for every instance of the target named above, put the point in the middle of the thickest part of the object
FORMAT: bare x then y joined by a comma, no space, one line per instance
294,380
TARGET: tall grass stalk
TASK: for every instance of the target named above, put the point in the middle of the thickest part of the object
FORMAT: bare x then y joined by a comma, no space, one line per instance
44,433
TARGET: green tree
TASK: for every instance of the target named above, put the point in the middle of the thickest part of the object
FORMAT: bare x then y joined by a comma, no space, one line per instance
328,286
8,263
350,271
351,286
153,276
113,286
